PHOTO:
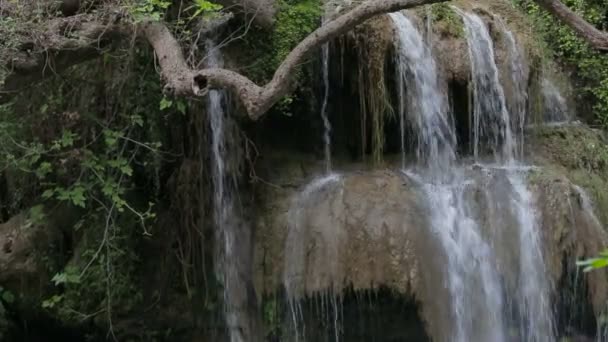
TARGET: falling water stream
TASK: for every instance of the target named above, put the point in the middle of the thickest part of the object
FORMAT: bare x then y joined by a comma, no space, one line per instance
294,272
555,107
493,125
474,286
228,261
417,72
519,81
491,121
484,306
324,117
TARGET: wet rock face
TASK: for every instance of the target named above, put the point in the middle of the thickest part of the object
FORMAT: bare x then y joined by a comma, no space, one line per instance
22,243
262,11
370,229
357,230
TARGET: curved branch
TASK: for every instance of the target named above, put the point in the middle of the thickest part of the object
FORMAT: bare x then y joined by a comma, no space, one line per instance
596,38
258,100
84,40
61,43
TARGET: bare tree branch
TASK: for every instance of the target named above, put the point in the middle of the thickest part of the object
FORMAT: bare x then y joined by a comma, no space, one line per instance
181,79
596,38
62,43
258,100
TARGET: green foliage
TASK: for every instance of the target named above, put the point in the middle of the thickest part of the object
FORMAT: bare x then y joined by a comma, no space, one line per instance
149,9
591,67
443,14
6,296
156,9
594,263
295,20
272,317
204,8
9,43
583,154
93,150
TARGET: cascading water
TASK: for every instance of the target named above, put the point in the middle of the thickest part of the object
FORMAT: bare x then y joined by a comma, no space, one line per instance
533,295
519,80
492,292
555,107
294,272
228,261
535,315
474,283
325,76
472,280
324,117
417,72
491,121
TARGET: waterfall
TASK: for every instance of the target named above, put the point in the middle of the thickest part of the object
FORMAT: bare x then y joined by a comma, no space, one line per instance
533,295
555,108
326,123
295,272
473,279
491,122
498,291
473,283
229,258
417,72
325,76
519,81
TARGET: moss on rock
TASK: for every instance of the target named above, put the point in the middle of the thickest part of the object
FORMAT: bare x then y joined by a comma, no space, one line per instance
578,152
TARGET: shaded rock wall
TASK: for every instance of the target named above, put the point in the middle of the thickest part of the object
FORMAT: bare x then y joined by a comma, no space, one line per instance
369,229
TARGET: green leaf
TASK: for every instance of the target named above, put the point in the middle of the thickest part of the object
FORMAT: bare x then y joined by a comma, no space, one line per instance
36,214
127,170
165,103
111,137
137,120
70,276
43,169
8,297
181,107
51,302
593,264
48,193
67,139
77,196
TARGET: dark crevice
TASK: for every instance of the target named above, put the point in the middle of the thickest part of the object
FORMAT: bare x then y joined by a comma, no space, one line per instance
574,312
356,316
461,115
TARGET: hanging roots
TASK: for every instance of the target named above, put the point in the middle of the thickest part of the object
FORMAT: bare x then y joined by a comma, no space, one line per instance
372,43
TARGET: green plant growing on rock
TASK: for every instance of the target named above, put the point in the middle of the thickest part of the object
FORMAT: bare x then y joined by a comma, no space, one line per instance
589,65
443,14
599,262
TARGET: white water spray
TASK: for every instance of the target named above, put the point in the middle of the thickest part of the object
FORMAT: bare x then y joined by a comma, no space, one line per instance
474,285
294,272
424,102
492,122
555,107
324,116
227,264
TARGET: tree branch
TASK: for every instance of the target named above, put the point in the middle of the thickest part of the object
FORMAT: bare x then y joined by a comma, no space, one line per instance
181,79
63,42
596,38
258,100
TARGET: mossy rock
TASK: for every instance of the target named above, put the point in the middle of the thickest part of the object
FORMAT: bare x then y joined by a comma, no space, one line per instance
581,154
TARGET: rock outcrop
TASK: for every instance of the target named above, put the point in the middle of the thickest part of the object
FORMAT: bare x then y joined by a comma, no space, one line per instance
366,230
